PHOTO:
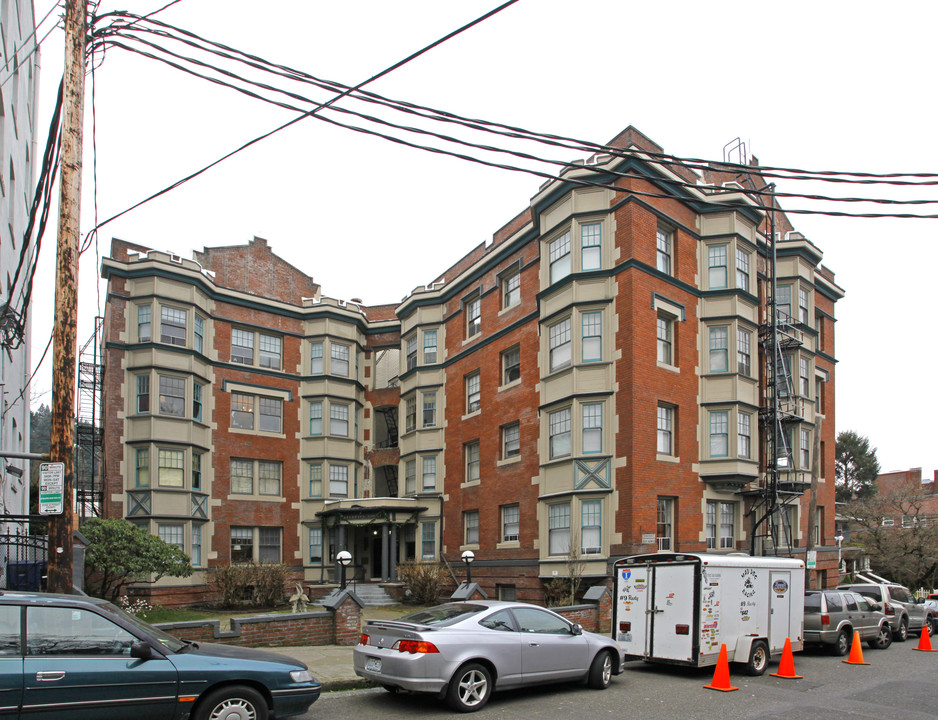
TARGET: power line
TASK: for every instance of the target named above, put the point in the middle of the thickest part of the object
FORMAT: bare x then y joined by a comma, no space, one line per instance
33,49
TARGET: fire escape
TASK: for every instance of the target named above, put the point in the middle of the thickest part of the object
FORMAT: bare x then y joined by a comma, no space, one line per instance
88,431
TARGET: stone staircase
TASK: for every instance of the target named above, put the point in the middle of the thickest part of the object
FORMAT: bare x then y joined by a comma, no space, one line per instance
372,595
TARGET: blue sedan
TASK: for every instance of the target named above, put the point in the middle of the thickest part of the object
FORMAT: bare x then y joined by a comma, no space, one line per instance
81,658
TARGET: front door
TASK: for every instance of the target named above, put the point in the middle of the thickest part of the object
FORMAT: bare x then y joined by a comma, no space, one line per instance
78,666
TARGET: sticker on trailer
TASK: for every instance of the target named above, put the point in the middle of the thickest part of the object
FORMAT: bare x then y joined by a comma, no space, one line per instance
780,587
710,612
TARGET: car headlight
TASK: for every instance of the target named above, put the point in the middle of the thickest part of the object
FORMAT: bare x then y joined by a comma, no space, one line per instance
301,676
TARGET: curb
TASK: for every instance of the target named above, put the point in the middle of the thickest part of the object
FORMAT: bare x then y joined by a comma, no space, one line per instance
341,684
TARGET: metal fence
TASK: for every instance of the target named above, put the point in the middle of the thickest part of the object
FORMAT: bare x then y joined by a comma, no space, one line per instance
24,549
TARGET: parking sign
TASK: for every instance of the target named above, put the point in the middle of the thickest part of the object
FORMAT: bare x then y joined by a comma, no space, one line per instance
51,488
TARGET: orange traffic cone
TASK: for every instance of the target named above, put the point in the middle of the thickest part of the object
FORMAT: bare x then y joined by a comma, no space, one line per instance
924,641
721,676
856,651
786,666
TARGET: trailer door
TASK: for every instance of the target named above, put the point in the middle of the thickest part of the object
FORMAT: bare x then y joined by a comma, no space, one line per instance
672,612
632,603
780,604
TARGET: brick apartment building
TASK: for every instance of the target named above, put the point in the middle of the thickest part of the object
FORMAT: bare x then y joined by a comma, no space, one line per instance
588,384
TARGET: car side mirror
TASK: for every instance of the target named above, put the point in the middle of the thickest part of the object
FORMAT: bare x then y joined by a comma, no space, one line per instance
876,606
576,629
919,601
141,651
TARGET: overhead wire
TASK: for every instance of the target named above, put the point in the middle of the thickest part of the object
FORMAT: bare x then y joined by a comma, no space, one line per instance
34,47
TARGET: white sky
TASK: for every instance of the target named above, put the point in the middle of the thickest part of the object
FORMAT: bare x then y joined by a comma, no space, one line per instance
833,85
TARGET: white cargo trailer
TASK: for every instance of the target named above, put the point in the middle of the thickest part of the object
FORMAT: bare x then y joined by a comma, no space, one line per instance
679,608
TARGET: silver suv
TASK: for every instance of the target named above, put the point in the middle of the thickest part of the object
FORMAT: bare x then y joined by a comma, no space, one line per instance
904,614
832,617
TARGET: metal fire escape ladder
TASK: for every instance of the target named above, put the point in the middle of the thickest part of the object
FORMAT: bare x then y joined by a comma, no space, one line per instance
88,432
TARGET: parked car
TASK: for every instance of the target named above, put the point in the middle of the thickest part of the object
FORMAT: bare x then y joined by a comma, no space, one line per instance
905,615
463,651
832,617
81,658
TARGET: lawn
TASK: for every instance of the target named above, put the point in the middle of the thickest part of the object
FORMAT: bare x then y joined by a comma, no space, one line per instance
161,614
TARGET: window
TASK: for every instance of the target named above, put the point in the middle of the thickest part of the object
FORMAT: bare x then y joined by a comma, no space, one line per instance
429,347
805,449
742,269
242,477
429,409
511,440
242,544
511,288
473,392
172,396
315,417
269,545
591,240
804,365
338,419
470,521
663,254
721,518
172,325
410,477
144,323
315,544
315,479
271,413
716,266
315,356
268,478
411,352
196,554
559,257
428,541
197,401
143,393
592,326
196,471
271,351
410,414
559,424
743,436
170,470
339,364
558,521
593,428
338,480
471,451
198,335
591,527
719,433
172,534
743,352
802,306
511,523
710,524
561,354
511,365
665,430
242,346
429,472
142,475
783,303
242,411
665,528
719,349
473,310
665,341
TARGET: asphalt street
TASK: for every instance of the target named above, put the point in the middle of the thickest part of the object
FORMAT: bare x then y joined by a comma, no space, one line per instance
898,683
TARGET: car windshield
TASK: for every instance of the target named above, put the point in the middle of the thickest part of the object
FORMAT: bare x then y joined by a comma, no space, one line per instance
171,643
812,601
443,615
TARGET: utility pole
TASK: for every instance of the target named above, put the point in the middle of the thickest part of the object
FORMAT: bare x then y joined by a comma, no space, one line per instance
62,446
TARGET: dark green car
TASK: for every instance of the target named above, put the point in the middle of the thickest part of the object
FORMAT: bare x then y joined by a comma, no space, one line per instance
81,658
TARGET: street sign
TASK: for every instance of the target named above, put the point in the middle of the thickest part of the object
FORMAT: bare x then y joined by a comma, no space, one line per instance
51,488
812,560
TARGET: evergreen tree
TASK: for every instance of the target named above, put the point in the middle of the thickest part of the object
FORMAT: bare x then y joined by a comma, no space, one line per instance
856,467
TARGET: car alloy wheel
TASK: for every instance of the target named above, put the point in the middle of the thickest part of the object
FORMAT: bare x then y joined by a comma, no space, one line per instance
470,688
883,638
902,634
843,642
600,671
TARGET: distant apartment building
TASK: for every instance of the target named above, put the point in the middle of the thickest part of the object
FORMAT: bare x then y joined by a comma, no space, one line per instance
19,78
586,386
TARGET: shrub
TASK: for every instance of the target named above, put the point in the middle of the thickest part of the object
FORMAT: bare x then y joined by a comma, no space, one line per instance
251,584
230,582
557,592
269,580
424,580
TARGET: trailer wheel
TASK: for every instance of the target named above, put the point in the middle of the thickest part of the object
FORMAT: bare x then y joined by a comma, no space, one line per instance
758,658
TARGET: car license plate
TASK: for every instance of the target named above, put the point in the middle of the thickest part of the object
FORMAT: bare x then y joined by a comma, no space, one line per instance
373,664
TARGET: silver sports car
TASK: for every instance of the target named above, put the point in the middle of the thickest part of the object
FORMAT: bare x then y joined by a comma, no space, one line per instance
464,650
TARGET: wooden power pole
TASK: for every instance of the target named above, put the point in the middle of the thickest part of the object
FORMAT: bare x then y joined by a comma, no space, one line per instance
62,445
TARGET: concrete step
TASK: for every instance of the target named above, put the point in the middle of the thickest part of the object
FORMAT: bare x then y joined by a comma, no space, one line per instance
373,595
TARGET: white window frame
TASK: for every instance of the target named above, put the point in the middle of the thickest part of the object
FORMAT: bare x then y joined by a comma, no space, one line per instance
743,352
473,392
473,310
591,527
511,440
176,318
664,529
665,336
744,435
339,359
511,523
742,269
560,344
559,256
558,528
472,461
719,433
470,523
591,246
719,336
430,340
511,365
559,433
717,267
592,414
664,250
243,340
665,425
591,340
511,287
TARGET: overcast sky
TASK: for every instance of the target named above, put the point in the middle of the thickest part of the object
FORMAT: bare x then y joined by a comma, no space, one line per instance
819,86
